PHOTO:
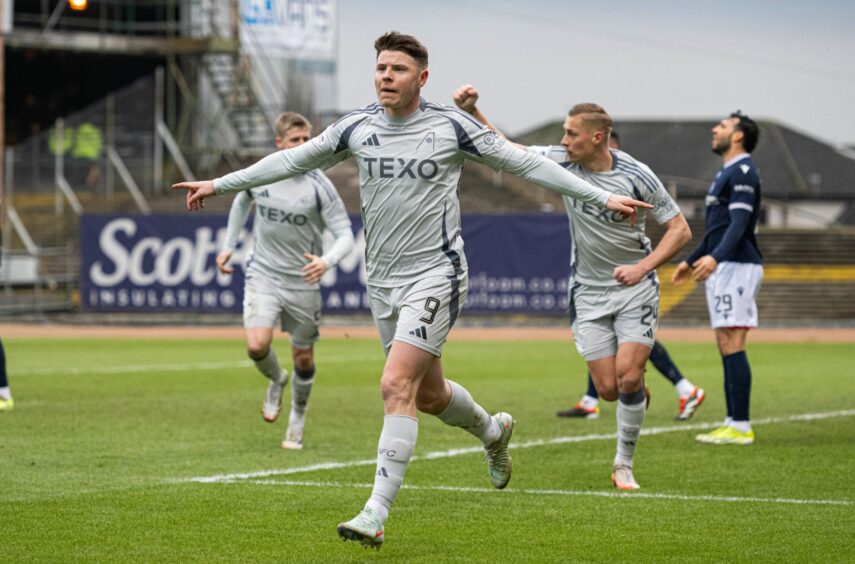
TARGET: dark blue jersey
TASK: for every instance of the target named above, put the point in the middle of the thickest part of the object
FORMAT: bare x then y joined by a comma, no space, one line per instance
733,209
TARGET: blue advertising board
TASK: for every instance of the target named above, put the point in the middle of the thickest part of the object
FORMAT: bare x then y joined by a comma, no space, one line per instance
162,263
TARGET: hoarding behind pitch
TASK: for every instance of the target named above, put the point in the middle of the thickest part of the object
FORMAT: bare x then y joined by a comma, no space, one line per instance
161,263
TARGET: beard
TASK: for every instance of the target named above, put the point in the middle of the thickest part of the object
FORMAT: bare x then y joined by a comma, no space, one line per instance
721,147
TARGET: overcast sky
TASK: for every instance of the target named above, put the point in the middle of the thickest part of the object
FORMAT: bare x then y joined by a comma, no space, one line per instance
787,60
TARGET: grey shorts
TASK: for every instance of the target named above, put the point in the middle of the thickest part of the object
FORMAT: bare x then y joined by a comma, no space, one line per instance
604,317
420,314
297,311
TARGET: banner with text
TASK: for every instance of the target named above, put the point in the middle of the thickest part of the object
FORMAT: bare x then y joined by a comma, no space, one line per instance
162,263
293,29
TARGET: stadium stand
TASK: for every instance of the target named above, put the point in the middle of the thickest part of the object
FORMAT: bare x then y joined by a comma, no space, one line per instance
807,233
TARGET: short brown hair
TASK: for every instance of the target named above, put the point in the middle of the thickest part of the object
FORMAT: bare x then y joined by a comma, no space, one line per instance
594,116
394,41
288,120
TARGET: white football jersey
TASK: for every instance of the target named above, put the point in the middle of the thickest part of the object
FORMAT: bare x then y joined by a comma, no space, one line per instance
409,170
290,217
602,239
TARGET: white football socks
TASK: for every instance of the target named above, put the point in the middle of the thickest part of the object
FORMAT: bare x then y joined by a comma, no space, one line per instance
629,419
684,387
5,393
589,402
300,391
741,426
394,450
269,366
463,412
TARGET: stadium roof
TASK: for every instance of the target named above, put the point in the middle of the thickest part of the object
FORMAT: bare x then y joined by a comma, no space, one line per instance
794,166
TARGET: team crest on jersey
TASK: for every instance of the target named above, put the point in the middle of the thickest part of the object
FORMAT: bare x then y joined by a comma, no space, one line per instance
428,141
303,202
494,138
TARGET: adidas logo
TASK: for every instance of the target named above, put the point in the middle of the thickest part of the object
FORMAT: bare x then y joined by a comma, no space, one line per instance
649,333
420,332
372,141
382,472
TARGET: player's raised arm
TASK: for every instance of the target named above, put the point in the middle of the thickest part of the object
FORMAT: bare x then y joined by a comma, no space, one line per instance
466,97
515,159
497,153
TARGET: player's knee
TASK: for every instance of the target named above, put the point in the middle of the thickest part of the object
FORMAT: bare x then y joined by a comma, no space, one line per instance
629,379
729,342
393,388
257,350
304,359
607,392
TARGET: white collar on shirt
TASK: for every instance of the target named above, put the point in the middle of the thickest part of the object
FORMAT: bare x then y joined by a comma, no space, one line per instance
737,158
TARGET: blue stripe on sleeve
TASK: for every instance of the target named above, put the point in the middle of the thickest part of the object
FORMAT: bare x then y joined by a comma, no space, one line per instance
345,136
463,140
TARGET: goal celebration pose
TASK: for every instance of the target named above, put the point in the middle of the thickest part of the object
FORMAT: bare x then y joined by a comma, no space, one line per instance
614,289
410,154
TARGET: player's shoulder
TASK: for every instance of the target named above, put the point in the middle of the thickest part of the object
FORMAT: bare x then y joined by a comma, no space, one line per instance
337,136
744,172
358,115
636,170
318,176
441,111
322,184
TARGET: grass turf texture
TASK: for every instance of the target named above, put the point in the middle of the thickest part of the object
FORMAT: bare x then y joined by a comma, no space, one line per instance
94,460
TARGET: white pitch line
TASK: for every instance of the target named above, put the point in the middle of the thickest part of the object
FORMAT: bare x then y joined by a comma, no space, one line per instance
611,494
228,478
135,368
171,367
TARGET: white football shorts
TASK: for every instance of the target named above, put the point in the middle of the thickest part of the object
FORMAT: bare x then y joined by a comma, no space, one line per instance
420,314
732,293
604,317
298,311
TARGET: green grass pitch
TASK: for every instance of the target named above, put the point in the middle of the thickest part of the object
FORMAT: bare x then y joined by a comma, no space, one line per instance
98,457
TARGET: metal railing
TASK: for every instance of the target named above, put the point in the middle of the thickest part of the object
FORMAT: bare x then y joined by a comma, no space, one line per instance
119,17
39,282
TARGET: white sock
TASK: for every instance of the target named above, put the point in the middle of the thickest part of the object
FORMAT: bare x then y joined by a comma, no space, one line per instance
269,366
629,420
684,387
5,393
588,402
397,441
300,391
463,412
741,426
728,421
